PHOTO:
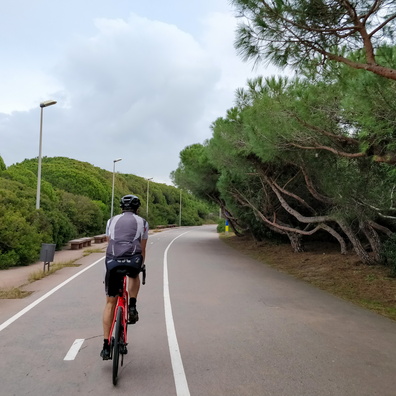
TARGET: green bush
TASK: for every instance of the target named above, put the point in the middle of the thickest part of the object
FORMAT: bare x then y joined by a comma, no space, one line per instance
389,254
2,164
85,215
221,226
75,202
61,228
19,242
8,259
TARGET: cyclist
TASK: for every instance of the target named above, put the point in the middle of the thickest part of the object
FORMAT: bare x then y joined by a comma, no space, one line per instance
127,234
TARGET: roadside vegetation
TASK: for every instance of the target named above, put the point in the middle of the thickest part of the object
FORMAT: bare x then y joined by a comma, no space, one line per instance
18,292
40,274
87,252
14,293
76,202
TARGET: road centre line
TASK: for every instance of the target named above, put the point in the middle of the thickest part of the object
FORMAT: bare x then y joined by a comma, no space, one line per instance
177,363
71,355
45,296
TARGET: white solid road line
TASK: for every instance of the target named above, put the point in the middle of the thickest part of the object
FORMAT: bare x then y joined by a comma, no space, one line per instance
42,298
177,363
71,355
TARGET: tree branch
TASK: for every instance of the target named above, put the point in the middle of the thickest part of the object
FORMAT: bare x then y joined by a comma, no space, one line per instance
382,25
293,212
312,189
332,150
343,139
296,197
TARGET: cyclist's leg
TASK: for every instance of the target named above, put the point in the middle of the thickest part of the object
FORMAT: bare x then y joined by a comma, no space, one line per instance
112,285
133,291
108,314
133,286
134,268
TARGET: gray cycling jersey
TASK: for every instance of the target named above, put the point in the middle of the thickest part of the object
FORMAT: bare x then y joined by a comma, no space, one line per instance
125,231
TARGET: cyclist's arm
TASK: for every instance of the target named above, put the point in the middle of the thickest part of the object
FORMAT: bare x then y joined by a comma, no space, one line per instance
108,228
143,244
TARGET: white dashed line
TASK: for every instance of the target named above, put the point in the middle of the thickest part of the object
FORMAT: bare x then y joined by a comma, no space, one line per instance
71,355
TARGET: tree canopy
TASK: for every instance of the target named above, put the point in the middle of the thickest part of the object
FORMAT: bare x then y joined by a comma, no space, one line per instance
294,32
304,160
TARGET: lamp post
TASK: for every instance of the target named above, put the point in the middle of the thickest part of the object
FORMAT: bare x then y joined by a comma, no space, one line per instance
42,105
180,210
112,190
148,182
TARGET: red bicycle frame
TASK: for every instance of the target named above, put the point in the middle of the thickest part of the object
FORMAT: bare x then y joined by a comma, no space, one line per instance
118,331
122,301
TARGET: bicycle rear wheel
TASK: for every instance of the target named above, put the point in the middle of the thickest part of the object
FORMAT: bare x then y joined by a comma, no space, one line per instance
117,345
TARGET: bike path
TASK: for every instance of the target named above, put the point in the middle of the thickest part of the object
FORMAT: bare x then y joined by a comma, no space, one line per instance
36,344
242,329
252,330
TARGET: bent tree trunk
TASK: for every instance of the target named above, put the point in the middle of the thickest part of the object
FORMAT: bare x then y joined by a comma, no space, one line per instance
295,241
357,245
373,239
337,236
234,227
233,222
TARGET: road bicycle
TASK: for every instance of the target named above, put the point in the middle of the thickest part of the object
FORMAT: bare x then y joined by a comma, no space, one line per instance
118,338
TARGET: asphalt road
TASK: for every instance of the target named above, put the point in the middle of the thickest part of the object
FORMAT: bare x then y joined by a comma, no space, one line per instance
212,323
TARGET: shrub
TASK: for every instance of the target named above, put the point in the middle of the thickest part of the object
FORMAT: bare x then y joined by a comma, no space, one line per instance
221,226
389,254
20,242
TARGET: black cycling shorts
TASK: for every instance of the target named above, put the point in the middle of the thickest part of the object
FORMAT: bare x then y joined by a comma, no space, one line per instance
116,269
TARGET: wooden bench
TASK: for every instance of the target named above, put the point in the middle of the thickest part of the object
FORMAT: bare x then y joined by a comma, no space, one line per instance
76,244
87,241
100,238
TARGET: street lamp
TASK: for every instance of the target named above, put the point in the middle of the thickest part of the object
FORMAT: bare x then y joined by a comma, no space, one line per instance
180,208
42,105
148,182
112,190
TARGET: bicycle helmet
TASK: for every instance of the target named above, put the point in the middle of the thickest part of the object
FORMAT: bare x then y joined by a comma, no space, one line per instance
130,202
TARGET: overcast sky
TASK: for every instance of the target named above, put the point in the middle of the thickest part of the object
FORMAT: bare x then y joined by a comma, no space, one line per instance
137,80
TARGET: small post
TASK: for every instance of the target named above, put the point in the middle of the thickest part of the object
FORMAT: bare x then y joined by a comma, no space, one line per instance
226,227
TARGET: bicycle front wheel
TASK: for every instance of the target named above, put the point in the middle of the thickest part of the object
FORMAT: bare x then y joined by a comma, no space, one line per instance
117,345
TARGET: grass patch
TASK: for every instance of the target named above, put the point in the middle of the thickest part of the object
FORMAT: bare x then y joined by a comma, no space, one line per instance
37,275
87,252
323,266
14,293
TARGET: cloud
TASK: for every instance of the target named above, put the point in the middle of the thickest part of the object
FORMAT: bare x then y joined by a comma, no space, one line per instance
138,89
20,86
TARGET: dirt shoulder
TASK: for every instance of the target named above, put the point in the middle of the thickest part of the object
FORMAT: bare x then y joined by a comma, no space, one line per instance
19,276
323,266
